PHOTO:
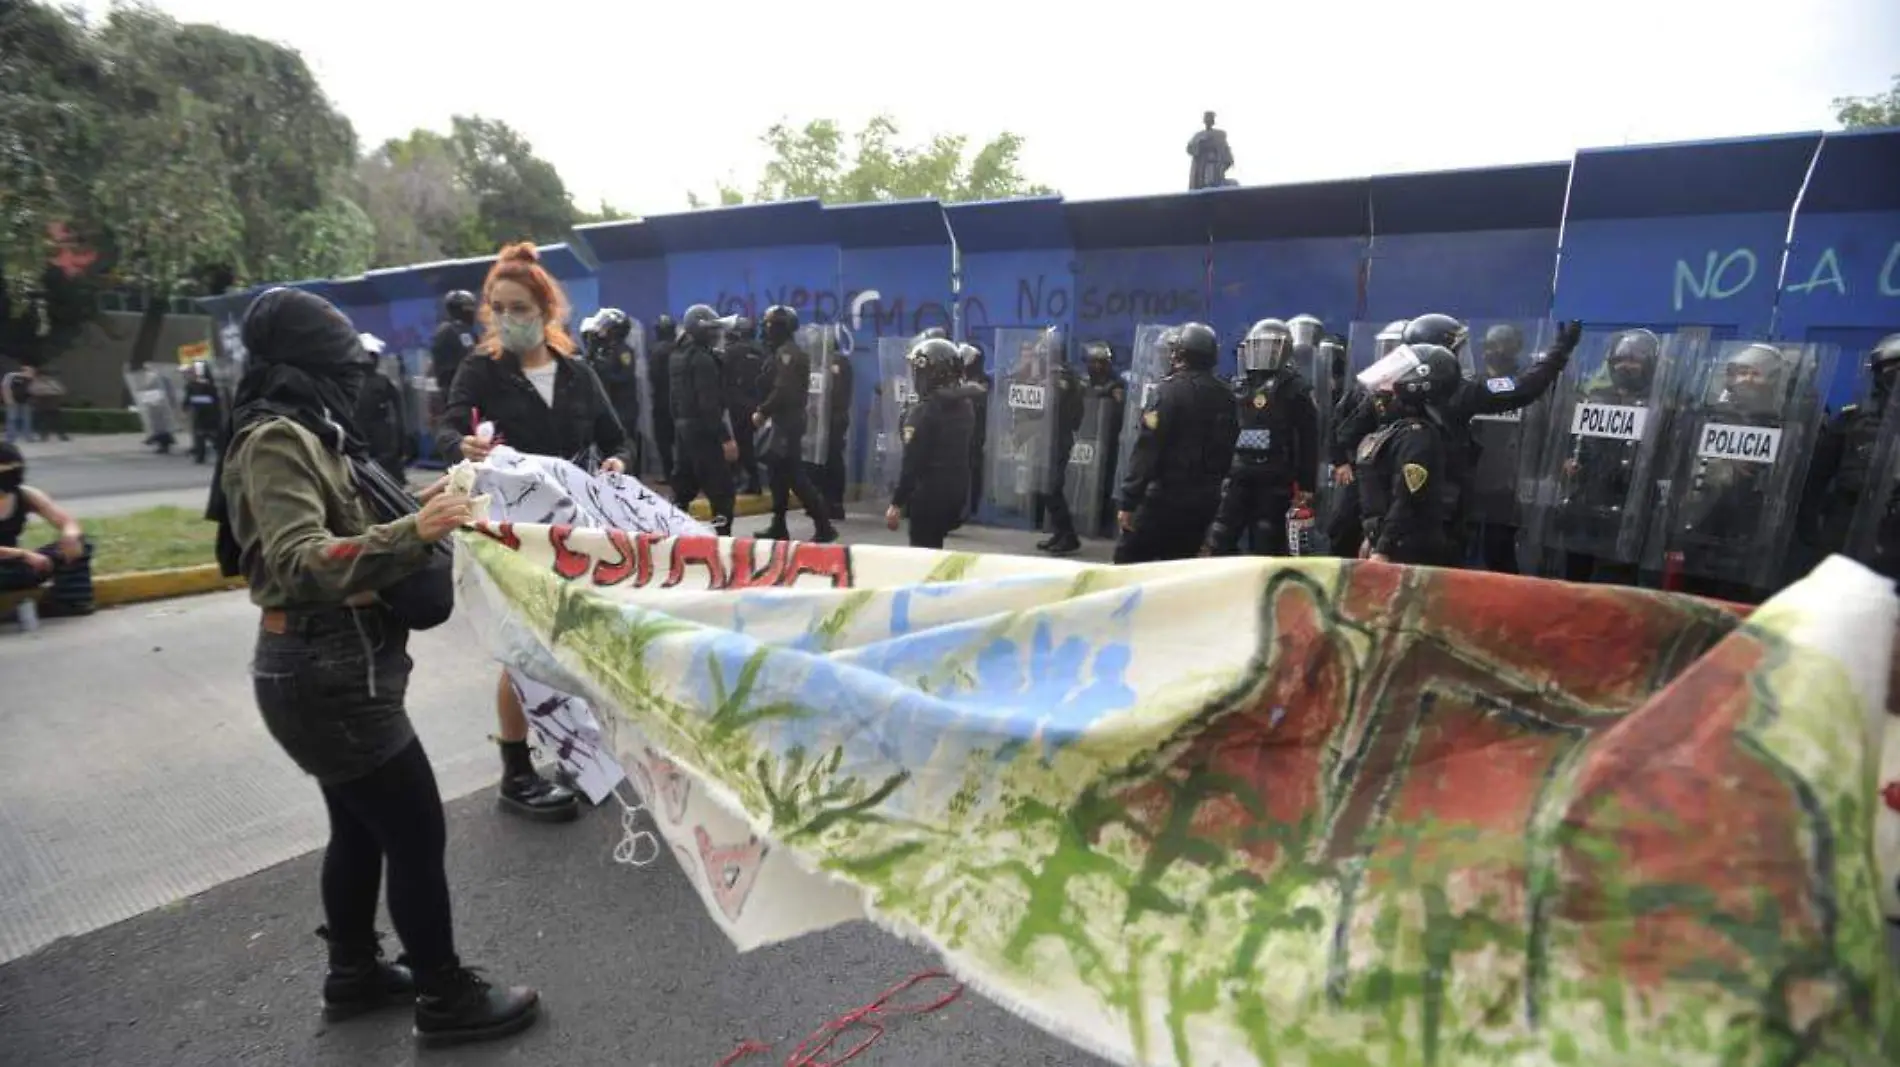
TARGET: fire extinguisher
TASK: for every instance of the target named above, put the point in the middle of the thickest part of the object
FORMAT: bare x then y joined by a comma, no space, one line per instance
1300,535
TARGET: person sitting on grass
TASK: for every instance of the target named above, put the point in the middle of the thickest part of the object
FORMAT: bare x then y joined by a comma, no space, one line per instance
66,563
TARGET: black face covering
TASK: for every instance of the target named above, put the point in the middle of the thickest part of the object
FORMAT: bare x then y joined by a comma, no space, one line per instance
307,364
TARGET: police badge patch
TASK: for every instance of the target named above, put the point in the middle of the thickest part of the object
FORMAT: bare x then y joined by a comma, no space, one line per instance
1415,476
909,432
1260,400
1151,419
1500,385
785,358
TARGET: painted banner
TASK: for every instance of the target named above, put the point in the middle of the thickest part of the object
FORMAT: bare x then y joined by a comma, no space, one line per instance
1257,811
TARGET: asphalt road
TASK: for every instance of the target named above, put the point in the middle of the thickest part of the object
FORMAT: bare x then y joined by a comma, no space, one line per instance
113,474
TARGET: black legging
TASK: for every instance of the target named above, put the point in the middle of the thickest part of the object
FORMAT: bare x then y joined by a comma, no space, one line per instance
394,812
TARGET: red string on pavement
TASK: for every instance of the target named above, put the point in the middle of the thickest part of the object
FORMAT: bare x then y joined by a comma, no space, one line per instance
871,1017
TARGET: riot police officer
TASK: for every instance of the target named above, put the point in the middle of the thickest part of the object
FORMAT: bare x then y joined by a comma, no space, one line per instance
1356,413
933,485
1104,394
975,374
1396,466
604,336
784,408
833,474
698,395
743,366
454,337
660,381
1278,436
207,410
1599,478
1062,539
1182,452
1840,474
1469,399
1497,448
381,418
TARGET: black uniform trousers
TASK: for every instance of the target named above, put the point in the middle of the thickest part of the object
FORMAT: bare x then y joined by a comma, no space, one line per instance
786,474
1169,527
741,417
1254,500
1054,500
702,468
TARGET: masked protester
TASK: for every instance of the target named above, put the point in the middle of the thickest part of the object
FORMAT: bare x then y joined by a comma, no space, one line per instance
1841,473
933,486
784,409
1183,449
207,411
525,388
295,498
66,563
1396,465
660,381
1277,441
706,450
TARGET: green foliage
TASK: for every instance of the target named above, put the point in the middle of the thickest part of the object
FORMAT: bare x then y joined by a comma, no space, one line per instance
518,195
99,420
815,161
1863,112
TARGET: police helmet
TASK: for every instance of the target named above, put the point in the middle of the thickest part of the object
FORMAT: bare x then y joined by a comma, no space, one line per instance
1885,355
1194,344
1389,338
664,328
460,305
1632,359
1266,346
702,324
1433,380
930,333
779,324
1098,353
1306,329
1503,342
610,327
934,363
972,354
1050,347
371,343
1435,329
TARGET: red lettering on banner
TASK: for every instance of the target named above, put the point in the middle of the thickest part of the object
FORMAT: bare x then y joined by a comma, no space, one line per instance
568,563
746,576
505,534
830,561
701,550
631,559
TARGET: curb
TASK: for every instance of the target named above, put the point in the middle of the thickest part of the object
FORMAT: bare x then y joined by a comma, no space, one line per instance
138,587
114,590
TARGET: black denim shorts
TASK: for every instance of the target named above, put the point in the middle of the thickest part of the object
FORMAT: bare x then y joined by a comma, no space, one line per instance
331,689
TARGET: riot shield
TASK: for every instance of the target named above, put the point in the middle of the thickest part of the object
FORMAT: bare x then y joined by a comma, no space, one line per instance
1595,475
820,343
157,391
1507,443
1022,430
895,395
1315,364
648,454
1148,364
1363,347
1735,465
1092,459
1873,534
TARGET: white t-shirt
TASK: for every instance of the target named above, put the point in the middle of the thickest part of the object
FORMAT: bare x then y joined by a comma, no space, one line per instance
542,378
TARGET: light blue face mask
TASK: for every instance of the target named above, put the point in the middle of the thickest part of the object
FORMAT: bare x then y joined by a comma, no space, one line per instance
520,335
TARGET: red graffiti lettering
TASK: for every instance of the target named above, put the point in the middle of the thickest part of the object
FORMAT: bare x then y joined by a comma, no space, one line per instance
503,534
631,559
831,561
746,576
568,563
701,550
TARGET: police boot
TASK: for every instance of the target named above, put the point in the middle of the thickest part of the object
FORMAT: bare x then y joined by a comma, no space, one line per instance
778,531
824,532
834,509
1063,544
525,793
360,981
454,1006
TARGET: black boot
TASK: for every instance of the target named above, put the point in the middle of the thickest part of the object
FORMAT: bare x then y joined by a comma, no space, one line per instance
360,981
778,531
525,793
836,510
826,532
454,1006
1063,544
1048,542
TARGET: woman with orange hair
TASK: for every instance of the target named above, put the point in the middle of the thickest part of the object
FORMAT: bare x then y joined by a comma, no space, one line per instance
535,396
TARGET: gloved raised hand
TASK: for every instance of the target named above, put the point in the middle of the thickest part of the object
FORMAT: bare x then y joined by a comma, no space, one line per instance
1568,335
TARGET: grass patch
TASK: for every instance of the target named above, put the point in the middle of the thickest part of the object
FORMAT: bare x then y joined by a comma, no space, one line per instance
148,540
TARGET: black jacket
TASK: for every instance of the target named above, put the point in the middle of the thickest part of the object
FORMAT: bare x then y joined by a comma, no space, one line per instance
1184,445
452,344
580,417
698,394
937,435
790,384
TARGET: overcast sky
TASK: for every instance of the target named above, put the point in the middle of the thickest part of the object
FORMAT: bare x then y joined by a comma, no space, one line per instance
640,102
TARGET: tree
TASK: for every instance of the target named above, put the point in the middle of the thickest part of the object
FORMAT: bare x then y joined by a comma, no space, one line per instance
1861,112
413,192
518,195
814,161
